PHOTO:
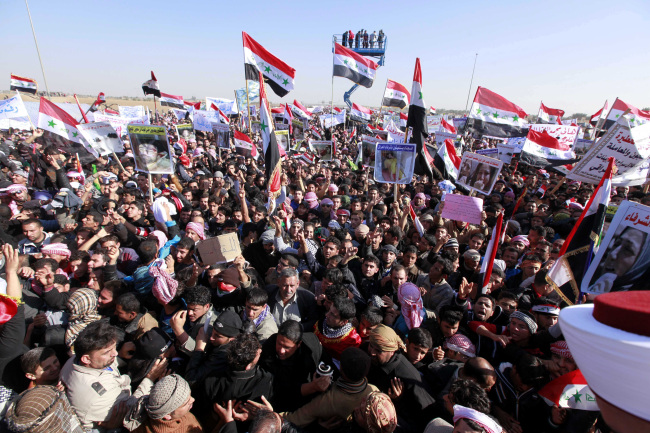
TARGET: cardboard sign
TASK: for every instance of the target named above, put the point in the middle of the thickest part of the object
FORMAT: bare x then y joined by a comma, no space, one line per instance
221,249
462,208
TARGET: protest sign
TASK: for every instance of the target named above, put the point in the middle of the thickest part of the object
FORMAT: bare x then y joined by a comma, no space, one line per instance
186,132
13,114
220,249
391,117
441,136
298,130
132,112
368,148
151,149
228,106
328,120
464,208
623,259
505,152
101,138
492,152
180,114
120,123
322,149
394,163
433,122
459,123
221,133
281,126
632,159
566,135
517,144
582,145
282,138
203,120
479,172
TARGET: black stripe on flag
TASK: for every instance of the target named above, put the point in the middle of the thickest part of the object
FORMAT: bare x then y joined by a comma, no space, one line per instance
23,89
252,73
417,119
345,72
388,102
494,129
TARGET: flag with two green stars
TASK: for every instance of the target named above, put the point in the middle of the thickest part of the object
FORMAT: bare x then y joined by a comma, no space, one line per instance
57,121
277,74
492,114
353,66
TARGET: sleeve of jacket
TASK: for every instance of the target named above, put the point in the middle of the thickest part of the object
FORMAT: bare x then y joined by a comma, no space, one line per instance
314,267
62,179
55,299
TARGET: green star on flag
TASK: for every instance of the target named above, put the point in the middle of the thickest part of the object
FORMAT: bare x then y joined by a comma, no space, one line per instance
495,115
285,82
263,126
267,69
617,116
74,134
51,123
478,111
419,95
577,396
515,118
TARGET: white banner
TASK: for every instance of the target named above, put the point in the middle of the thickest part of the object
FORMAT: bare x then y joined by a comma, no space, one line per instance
228,106
101,138
203,120
566,135
442,136
132,112
433,122
631,150
180,114
328,121
120,123
13,108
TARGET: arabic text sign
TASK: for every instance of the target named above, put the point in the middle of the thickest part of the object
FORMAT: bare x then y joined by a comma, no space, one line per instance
624,254
462,208
566,135
619,142
220,249
13,108
442,136
203,120
101,137
132,112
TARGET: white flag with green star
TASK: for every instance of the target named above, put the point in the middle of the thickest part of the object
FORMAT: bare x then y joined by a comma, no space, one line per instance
57,121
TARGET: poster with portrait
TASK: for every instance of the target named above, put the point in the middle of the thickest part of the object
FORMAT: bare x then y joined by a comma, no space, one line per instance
283,139
394,163
479,172
322,149
622,262
221,133
298,130
101,138
151,149
368,149
186,132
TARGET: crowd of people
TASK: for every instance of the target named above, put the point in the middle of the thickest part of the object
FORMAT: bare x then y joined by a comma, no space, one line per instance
338,315
362,39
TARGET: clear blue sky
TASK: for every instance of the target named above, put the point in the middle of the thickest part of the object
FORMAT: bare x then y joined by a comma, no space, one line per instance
572,55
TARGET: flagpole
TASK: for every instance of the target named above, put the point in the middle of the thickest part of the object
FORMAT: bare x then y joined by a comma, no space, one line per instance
155,108
471,81
332,100
47,89
381,107
248,104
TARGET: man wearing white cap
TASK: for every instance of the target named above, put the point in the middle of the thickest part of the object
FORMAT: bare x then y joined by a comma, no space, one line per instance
610,342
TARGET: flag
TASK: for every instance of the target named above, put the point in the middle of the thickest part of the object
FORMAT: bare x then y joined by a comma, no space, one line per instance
490,254
353,133
243,140
599,115
446,126
109,111
299,110
288,115
222,117
582,242
101,98
403,120
447,161
57,121
167,100
315,132
570,391
395,95
549,115
23,84
360,111
432,110
493,115
353,66
150,87
636,117
417,119
542,150
270,147
257,60
418,225
196,105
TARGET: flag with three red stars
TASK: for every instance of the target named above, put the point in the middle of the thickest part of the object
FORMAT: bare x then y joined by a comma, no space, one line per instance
57,121
272,165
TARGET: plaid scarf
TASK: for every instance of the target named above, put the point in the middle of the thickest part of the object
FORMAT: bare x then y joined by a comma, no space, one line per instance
43,409
82,306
